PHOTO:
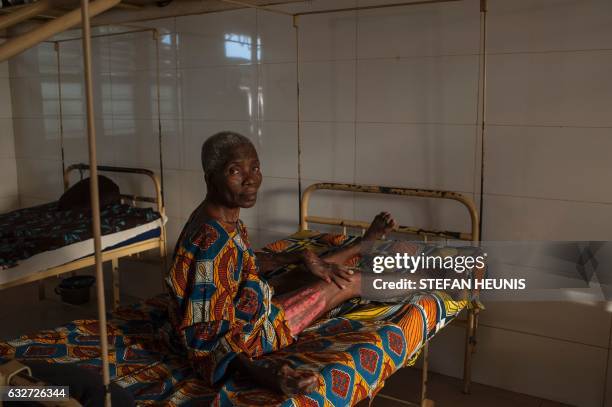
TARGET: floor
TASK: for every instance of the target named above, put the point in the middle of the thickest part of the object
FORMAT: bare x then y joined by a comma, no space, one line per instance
445,391
21,312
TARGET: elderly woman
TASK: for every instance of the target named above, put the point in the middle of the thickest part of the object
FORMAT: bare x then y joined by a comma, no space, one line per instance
223,309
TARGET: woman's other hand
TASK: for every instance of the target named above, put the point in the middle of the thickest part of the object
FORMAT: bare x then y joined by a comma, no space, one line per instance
329,272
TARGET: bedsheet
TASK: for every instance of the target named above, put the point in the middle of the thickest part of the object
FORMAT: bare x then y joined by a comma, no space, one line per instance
353,354
29,231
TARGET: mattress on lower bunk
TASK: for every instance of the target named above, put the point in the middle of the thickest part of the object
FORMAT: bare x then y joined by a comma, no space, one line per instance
41,237
353,354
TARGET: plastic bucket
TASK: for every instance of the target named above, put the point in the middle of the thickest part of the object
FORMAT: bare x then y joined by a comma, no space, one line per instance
75,290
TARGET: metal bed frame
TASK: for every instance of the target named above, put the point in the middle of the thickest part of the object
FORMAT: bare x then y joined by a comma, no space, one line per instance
473,309
110,255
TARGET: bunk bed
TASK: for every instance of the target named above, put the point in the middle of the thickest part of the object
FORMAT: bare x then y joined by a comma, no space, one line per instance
47,240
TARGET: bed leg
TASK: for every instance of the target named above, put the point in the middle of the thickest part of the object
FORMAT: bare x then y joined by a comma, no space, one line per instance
425,402
116,298
470,346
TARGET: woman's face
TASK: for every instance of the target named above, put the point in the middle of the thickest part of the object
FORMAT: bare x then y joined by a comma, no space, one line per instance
238,182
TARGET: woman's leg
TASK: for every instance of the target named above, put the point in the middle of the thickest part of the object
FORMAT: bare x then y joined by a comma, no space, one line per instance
304,305
382,224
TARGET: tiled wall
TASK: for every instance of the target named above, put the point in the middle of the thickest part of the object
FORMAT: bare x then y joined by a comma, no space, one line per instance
9,192
388,97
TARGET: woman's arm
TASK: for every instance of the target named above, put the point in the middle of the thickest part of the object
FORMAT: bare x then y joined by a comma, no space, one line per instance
320,267
268,262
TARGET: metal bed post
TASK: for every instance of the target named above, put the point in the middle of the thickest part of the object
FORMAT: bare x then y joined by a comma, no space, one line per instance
95,199
160,194
473,311
296,28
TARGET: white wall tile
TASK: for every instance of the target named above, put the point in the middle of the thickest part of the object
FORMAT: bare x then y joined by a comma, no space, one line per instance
422,90
555,89
35,96
38,60
8,186
315,5
73,94
434,29
535,360
513,218
328,151
4,67
548,162
277,205
71,56
552,319
37,138
327,91
26,202
276,37
9,204
193,191
169,95
134,94
136,143
138,51
173,231
277,98
219,93
525,363
172,192
545,25
7,139
172,142
416,156
278,149
76,144
40,179
328,36
6,110
249,217
197,131
163,25
227,38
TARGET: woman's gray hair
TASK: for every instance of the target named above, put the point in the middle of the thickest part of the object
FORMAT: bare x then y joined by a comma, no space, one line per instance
216,148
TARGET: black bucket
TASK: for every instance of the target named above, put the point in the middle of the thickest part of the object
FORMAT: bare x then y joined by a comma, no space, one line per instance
75,290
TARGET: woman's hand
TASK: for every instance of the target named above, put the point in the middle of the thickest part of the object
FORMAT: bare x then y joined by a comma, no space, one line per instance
329,272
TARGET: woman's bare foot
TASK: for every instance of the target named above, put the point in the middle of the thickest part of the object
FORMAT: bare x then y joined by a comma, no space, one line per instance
382,224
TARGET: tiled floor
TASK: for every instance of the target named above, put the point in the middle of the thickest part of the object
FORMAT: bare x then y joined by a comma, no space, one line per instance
21,312
445,391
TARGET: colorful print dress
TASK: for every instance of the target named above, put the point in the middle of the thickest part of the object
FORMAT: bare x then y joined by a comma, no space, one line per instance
219,305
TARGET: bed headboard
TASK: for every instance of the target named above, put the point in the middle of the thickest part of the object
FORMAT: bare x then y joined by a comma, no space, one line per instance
157,199
305,218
